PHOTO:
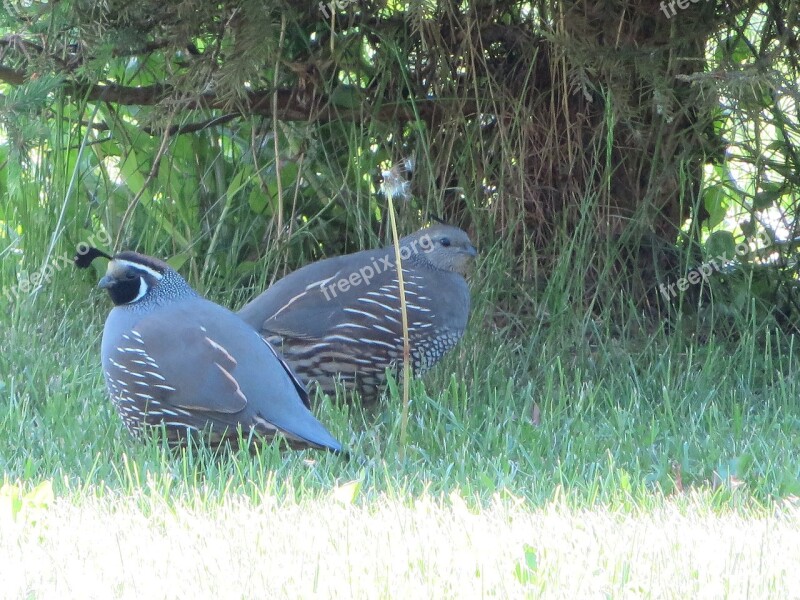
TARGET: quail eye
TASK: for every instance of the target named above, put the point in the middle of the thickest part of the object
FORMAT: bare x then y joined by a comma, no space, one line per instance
445,242
131,276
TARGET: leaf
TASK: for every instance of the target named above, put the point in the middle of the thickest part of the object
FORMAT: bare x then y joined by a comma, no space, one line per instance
239,180
625,481
24,506
536,415
42,495
770,193
729,473
717,200
178,260
347,492
755,97
288,175
246,268
130,172
677,476
741,51
733,48
346,96
525,570
10,501
530,557
764,200
731,482
721,244
257,201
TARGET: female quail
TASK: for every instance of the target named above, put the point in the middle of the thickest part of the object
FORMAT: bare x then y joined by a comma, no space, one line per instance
340,318
174,359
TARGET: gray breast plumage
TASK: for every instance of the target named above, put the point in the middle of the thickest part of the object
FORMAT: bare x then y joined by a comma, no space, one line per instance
192,366
133,378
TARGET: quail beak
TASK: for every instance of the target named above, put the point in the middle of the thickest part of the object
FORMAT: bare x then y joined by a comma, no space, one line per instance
471,251
109,279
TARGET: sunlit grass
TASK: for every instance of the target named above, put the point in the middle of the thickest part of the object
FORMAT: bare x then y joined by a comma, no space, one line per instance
142,545
580,458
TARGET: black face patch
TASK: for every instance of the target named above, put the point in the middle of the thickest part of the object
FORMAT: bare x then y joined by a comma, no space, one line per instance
127,289
127,282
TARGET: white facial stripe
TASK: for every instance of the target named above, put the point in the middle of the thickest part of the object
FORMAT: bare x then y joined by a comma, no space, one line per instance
142,290
141,267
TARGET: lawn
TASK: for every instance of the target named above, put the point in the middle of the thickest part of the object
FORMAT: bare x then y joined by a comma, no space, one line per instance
143,545
575,461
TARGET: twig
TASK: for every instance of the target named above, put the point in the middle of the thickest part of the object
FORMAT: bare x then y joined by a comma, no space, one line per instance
275,143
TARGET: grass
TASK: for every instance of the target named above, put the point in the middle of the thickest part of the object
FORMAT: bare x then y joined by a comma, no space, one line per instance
566,463
553,454
143,545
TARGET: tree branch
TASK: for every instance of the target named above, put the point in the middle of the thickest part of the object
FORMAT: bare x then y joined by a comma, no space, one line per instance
11,76
293,104
300,103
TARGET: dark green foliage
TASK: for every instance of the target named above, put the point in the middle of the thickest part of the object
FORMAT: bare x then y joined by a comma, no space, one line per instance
243,139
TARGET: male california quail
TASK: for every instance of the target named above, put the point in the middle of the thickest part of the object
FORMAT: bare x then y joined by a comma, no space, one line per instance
174,359
340,317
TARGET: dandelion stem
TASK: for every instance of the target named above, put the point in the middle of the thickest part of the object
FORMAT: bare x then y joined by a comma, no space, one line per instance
404,315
